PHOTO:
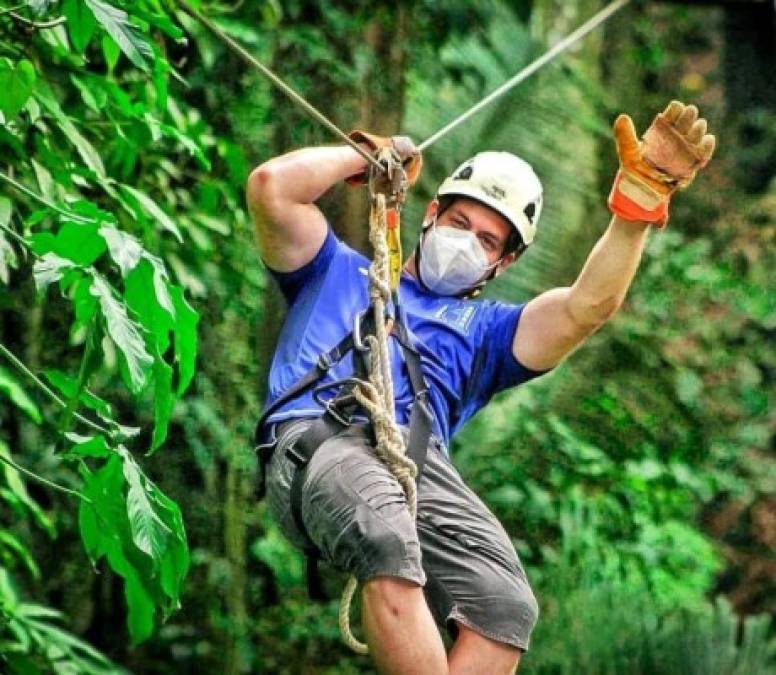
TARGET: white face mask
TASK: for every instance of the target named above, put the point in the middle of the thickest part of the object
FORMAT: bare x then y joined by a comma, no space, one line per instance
452,261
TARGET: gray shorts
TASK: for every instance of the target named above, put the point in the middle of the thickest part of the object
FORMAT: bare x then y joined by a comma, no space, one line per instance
355,513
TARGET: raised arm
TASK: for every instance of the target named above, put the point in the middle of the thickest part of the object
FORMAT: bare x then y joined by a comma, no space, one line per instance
281,195
674,147
556,322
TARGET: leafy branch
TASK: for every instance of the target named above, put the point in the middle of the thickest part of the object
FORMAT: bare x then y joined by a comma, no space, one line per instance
42,480
48,391
39,198
37,25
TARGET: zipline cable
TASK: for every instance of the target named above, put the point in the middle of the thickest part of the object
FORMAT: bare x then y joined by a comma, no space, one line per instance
246,56
529,70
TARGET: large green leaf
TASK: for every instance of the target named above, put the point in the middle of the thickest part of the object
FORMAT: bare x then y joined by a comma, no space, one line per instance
105,531
16,84
186,320
175,563
143,298
148,531
81,23
78,242
124,332
13,390
126,35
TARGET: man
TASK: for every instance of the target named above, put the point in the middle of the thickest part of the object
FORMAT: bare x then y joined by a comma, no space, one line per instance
351,508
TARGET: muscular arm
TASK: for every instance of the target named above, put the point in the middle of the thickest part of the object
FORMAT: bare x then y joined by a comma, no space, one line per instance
281,193
556,322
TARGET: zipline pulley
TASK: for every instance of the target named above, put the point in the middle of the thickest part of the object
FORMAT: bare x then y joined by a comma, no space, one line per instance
390,181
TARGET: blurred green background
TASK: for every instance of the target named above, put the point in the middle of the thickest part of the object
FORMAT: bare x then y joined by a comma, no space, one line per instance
637,479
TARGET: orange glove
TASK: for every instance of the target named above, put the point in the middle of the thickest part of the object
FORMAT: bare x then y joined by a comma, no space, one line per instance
411,159
667,158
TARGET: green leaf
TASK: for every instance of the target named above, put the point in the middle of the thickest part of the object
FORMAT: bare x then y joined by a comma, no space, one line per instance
67,386
142,296
17,84
84,302
14,391
80,244
81,23
7,253
5,211
148,531
124,332
88,446
163,402
10,542
45,180
105,531
175,563
110,51
125,250
48,269
152,209
186,320
92,94
127,36
7,258
19,490
161,281
89,154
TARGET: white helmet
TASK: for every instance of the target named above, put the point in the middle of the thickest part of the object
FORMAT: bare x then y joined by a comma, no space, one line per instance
503,182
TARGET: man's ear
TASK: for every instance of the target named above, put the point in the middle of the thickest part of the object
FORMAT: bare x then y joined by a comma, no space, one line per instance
431,210
507,261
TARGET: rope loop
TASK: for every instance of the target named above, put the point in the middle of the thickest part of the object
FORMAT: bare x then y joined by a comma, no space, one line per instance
376,395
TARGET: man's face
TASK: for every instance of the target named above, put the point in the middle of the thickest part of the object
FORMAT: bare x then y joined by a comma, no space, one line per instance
491,228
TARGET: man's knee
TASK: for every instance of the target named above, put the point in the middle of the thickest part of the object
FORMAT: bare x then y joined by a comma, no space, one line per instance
393,594
507,611
356,513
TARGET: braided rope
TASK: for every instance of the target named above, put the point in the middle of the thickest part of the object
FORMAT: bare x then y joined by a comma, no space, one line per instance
376,397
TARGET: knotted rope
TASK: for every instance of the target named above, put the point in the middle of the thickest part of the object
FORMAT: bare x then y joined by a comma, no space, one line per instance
376,395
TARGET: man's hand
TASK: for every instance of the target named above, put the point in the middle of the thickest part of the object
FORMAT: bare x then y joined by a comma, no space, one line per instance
403,148
667,158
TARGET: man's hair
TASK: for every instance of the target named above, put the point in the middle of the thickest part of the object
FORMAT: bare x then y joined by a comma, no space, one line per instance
514,243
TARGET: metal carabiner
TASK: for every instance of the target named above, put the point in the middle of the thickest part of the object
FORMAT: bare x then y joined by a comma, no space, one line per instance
358,342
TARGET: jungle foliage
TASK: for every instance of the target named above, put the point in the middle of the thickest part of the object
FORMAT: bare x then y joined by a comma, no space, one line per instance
136,327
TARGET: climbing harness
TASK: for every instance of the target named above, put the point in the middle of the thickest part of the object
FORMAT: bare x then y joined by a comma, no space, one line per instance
371,388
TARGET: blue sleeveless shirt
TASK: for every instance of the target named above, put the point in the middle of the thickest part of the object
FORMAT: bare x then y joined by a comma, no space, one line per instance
465,345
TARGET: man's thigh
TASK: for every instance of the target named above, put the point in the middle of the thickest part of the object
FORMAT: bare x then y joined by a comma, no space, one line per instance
353,508
474,575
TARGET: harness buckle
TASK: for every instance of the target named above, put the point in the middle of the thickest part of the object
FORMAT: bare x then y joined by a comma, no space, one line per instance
296,457
331,409
324,362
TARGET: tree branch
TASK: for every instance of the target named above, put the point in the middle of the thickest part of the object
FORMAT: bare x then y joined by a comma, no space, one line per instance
42,480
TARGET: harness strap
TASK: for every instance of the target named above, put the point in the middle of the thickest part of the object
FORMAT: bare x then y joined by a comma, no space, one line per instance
337,417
